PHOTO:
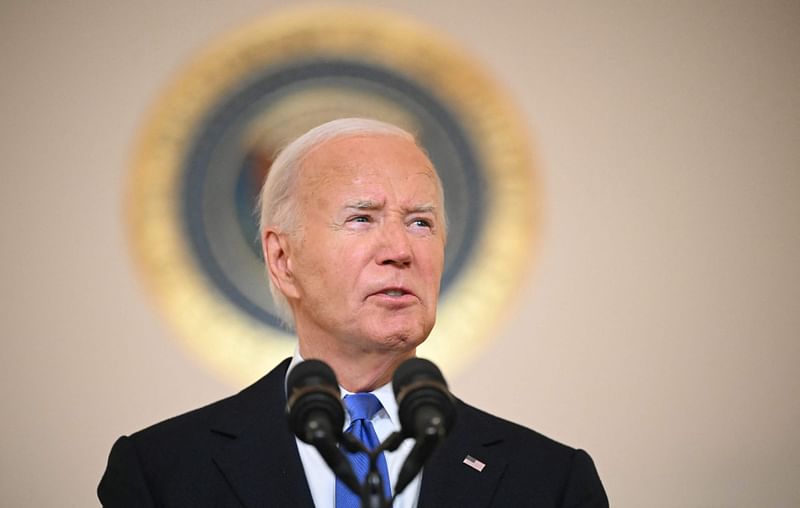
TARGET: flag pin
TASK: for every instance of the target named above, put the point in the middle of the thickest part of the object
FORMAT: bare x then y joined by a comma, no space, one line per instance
474,463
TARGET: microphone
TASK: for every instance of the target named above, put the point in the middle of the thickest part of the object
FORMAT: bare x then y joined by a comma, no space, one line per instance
427,412
316,415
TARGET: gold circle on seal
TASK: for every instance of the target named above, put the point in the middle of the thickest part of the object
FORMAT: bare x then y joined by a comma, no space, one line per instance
236,344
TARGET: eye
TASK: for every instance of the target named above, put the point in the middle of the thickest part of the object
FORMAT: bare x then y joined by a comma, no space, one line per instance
361,219
422,222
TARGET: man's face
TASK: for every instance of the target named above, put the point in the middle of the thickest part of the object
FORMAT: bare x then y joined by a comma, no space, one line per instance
368,258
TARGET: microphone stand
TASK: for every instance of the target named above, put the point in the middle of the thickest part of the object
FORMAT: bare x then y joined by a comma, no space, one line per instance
371,494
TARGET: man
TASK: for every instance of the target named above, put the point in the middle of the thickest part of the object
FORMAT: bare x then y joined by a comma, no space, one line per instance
353,231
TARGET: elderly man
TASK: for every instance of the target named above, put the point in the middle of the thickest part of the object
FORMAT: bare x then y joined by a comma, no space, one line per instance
353,232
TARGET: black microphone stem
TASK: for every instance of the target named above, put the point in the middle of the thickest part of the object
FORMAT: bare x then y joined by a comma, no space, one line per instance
372,495
392,442
341,468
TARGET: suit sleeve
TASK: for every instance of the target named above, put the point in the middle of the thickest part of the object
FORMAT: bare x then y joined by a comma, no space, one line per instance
583,488
123,484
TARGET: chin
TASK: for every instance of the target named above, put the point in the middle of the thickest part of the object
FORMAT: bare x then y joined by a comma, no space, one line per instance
399,339
396,331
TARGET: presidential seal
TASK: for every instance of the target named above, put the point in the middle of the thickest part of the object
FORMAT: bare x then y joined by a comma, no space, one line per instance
209,143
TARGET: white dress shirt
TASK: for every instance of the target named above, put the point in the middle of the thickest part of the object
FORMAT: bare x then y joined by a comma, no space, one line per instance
321,480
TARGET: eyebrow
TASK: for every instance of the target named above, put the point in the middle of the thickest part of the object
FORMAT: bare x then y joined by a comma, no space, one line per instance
364,204
368,204
426,208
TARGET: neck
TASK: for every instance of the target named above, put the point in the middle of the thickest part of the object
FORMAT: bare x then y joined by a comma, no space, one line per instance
358,371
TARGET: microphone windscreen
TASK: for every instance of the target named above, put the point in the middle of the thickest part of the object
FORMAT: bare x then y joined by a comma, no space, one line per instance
313,395
415,370
418,384
310,373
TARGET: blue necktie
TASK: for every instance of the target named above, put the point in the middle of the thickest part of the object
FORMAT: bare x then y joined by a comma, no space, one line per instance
362,407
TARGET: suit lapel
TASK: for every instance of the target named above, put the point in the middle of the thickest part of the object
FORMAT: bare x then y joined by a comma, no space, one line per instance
448,481
258,456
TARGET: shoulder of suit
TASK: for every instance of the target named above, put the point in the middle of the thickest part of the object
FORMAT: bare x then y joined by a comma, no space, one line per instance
219,413
514,433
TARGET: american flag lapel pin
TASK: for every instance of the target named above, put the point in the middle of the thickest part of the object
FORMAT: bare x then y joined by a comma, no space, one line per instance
474,463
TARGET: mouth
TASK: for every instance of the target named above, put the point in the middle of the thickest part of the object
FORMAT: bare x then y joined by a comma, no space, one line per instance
395,295
393,292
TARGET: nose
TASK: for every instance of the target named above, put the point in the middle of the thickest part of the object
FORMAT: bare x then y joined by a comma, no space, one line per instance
395,245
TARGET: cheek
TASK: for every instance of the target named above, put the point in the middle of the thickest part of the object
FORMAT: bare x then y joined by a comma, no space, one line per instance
315,265
347,261
433,260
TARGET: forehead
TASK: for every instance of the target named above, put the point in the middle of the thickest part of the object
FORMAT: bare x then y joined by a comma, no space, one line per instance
369,159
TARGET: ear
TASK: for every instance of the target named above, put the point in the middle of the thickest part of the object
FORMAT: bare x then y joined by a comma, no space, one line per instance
277,256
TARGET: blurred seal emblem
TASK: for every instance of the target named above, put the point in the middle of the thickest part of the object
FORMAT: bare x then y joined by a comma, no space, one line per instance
209,142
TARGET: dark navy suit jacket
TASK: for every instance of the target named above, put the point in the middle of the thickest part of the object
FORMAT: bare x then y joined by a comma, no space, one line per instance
239,452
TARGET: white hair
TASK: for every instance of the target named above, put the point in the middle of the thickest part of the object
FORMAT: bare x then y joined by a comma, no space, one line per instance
277,203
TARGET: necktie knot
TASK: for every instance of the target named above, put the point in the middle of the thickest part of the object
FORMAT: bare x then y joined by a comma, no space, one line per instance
362,406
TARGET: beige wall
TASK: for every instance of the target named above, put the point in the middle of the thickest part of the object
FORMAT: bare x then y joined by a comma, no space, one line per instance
659,330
